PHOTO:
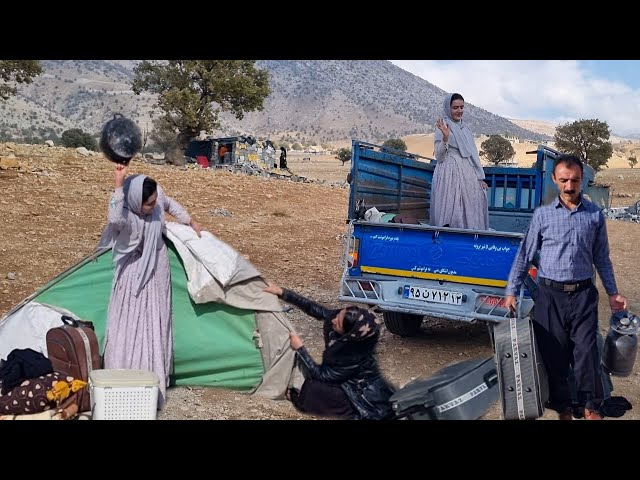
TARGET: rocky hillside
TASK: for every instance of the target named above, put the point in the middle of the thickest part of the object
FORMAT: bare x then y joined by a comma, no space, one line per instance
73,94
312,101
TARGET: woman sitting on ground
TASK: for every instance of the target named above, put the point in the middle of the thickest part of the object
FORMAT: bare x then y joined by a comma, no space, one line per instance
348,383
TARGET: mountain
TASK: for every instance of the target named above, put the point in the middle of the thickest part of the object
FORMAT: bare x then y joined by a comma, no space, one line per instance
311,101
544,128
74,94
549,129
632,136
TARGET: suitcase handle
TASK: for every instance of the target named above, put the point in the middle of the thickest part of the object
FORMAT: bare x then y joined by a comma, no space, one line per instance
407,412
67,320
410,410
517,313
491,378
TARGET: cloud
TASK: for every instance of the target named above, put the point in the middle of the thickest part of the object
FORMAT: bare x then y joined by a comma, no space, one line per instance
556,91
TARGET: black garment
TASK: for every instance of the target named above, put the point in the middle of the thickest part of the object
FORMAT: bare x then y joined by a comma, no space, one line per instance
566,327
346,361
23,364
323,399
615,407
283,158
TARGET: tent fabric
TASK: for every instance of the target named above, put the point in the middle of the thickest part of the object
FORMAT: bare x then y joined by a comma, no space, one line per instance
200,147
219,338
281,370
218,273
28,328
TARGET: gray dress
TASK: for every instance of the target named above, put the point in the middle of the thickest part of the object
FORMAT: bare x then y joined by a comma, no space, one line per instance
139,332
457,199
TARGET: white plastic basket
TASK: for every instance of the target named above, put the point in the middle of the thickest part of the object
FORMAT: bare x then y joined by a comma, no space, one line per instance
123,394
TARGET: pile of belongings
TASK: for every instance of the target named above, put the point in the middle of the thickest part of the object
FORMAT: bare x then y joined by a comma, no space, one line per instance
31,390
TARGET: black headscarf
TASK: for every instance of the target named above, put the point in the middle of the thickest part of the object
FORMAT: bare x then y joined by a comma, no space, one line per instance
357,342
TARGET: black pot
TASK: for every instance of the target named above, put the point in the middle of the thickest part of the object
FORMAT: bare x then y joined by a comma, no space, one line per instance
121,139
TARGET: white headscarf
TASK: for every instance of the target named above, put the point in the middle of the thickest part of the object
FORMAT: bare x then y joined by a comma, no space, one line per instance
460,137
141,227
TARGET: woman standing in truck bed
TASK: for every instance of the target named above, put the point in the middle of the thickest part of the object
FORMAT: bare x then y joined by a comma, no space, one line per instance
458,194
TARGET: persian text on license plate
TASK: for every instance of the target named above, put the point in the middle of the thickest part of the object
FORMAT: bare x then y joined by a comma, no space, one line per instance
432,295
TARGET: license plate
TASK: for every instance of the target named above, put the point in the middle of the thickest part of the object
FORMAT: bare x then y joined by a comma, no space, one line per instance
432,295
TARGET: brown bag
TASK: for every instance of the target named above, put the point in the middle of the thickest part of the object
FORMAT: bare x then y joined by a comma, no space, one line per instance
73,350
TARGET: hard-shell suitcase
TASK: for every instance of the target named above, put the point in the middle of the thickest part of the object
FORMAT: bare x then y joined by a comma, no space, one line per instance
73,350
462,391
524,388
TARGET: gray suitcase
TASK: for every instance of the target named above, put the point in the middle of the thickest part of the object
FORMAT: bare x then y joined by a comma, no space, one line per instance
522,377
462,391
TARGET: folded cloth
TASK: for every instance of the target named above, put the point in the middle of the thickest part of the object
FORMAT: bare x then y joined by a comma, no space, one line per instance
615,407
61,390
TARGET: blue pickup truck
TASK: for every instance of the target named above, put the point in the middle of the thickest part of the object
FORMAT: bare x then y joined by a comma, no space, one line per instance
412,270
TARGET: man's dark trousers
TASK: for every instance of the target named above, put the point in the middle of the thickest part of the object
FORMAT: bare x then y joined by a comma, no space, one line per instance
566,321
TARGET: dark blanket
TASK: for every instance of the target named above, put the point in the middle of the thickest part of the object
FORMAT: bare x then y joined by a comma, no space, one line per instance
21,365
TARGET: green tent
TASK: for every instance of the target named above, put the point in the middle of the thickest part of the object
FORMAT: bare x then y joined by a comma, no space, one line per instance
215,344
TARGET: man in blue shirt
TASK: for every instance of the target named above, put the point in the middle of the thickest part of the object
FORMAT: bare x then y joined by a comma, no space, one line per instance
571,235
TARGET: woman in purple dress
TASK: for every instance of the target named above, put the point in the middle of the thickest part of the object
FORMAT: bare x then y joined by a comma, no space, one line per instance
139,332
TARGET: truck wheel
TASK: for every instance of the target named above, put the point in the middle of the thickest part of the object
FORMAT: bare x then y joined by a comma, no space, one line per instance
402,324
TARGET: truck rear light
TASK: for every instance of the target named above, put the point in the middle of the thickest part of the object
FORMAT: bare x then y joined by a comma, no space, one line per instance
354,248
367,286
490,301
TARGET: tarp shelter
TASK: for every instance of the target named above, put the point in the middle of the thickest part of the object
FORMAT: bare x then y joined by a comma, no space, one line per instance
239,150
201,147
228,333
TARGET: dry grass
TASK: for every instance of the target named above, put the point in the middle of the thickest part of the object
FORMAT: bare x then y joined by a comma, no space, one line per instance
280,213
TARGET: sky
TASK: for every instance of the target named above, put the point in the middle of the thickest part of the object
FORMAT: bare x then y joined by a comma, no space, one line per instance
556,91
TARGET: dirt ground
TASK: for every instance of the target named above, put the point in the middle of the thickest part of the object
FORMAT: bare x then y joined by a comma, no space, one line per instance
53,208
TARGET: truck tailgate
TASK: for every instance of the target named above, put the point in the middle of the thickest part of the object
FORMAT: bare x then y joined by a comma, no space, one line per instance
472,257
